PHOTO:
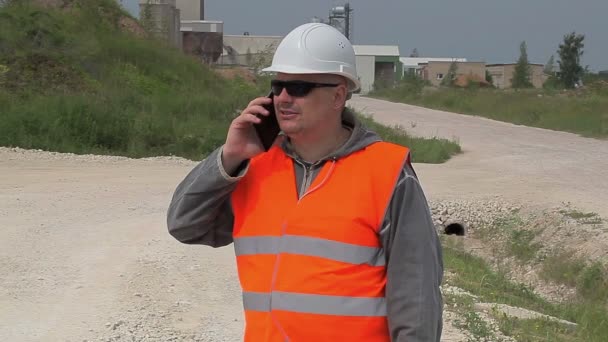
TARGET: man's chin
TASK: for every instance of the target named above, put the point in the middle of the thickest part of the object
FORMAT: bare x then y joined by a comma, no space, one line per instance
290,129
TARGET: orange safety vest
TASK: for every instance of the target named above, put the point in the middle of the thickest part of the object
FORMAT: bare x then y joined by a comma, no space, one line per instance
313,269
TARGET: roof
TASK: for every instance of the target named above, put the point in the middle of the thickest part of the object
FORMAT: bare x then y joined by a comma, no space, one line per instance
246,36
377,50
505,64
415,61
201,26
201,22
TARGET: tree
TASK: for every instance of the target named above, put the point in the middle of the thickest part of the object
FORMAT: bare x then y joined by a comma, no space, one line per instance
263,58
550,66
414,53
521,76
147,21
248,57
570,52
489,78
448,80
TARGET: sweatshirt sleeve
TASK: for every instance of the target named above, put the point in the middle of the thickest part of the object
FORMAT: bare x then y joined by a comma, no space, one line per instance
414,264
200,210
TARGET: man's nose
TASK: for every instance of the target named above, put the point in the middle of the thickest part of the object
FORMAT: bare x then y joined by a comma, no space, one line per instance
284,96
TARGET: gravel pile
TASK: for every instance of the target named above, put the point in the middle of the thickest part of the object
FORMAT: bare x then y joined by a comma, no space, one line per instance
469,214
152,327
16,153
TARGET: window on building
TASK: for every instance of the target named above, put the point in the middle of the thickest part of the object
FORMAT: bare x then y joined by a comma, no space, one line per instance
439,76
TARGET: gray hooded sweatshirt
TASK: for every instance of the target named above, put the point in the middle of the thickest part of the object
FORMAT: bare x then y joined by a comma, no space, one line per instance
200,213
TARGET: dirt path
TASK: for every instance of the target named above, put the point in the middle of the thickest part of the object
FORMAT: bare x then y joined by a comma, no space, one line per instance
522,164
85,256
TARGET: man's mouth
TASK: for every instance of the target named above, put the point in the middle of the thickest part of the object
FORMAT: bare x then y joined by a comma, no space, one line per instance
287,113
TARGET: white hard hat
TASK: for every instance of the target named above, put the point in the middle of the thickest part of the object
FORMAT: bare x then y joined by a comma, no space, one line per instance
316,48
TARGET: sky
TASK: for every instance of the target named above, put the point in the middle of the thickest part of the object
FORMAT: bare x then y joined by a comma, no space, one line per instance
479,30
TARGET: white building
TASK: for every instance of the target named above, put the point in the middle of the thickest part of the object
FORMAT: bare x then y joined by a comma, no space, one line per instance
377,65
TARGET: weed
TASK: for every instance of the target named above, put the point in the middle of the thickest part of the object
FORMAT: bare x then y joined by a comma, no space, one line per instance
468,319
592,284
562,267
533,330
581,217
521,245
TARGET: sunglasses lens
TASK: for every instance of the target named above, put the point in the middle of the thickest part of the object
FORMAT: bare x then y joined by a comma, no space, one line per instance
297,89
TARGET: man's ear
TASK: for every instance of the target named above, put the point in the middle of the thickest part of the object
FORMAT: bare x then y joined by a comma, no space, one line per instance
340,96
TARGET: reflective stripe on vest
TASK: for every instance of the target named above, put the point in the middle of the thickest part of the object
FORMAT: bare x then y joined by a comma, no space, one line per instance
313,267
315,304
310,246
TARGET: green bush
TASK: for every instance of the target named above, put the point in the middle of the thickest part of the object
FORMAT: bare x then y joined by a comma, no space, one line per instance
592,284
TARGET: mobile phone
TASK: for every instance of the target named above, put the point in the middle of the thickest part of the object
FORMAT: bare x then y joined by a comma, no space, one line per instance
269,128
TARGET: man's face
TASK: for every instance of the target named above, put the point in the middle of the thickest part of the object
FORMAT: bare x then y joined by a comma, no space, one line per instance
300,115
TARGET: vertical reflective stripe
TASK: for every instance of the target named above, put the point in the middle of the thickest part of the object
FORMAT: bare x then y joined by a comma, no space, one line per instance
256,301
303,245
316,304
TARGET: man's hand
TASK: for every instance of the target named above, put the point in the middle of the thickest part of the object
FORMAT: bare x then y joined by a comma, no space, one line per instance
242,142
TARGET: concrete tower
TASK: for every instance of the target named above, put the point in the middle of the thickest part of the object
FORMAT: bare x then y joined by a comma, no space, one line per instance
191,9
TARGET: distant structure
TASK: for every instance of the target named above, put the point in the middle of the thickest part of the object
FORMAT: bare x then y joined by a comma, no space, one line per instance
203,38
434,72
191,9
503,74
339,17
249,50
378,66
414,65
200,37
162,19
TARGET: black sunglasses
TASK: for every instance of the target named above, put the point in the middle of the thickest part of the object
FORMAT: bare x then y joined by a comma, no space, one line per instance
296,88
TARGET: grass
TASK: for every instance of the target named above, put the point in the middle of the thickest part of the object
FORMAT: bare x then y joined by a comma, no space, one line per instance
563,268
589,311
71,81
519,242
522,246
476,277
583,112
536,330
582,217
468,319
424,150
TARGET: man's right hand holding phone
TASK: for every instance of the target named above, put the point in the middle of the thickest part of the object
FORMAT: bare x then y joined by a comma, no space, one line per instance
242,142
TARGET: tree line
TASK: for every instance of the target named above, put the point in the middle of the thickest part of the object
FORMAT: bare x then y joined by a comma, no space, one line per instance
570,71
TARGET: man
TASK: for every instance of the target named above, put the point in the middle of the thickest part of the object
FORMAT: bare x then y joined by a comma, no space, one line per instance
332,232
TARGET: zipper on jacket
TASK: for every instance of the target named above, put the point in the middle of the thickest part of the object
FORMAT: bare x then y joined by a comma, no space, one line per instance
306,179
329,172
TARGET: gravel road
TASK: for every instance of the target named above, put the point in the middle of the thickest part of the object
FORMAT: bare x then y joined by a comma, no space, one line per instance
85,255
522,164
